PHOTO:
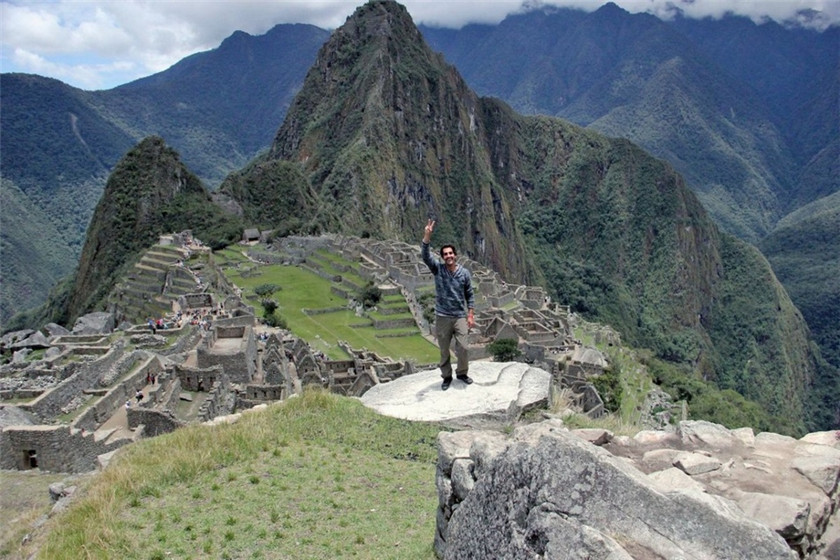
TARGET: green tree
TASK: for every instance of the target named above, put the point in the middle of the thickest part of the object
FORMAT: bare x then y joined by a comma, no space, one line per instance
269,307
265,290
608,385
504,349
370,295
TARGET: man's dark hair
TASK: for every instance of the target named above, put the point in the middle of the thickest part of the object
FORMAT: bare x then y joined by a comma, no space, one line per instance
451,247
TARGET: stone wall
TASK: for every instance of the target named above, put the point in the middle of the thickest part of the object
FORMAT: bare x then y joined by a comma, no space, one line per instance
52,448
239,365
237,321
189,337
219,401
154,422
198,380
106,405
86,376
195,301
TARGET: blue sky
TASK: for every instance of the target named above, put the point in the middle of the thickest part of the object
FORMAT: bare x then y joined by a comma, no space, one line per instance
99,44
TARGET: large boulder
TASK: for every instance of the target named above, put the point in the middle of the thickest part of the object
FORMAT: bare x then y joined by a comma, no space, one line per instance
98,322
700,492
35,340
54,329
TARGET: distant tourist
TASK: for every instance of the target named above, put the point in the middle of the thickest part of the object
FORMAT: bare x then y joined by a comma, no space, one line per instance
139,396
454,307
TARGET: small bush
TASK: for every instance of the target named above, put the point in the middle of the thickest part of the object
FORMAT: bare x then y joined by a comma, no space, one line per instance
370,295
266,290
427,303
269,307
504,349
276,320
609,387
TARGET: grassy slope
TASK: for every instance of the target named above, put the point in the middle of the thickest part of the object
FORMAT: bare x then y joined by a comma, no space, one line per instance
319,476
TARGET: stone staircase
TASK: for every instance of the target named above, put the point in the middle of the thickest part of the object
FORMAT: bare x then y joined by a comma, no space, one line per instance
156,280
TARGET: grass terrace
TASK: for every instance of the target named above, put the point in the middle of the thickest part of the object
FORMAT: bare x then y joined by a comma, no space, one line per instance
317,315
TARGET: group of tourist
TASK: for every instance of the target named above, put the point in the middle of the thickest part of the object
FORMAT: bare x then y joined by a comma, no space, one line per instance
163,324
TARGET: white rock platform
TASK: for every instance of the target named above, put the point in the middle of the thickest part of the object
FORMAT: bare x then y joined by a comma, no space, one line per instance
499,388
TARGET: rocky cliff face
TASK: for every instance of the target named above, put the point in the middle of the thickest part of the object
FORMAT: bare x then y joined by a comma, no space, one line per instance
702,492
390,135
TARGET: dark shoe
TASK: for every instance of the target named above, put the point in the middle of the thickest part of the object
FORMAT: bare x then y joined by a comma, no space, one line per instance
466,379
446,383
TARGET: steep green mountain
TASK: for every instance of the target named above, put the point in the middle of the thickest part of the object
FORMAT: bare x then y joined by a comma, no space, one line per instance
805,253
149,193
55,154
384,134
219,108
801,94
59,143
747,113
28,244
690,92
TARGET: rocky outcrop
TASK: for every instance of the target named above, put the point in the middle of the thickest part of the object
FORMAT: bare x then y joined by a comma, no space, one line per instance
704,492
98,322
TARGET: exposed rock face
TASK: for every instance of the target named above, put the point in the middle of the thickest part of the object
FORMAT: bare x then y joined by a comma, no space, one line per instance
704,492
97,322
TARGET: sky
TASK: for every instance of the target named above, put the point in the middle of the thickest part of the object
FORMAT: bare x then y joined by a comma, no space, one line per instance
100,44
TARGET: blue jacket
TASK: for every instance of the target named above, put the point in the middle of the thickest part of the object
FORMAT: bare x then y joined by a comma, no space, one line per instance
453,290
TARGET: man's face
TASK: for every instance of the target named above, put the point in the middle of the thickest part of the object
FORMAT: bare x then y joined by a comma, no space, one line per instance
449,256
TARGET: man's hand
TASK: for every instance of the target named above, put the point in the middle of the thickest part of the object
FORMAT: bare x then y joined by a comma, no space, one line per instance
427,232
470,319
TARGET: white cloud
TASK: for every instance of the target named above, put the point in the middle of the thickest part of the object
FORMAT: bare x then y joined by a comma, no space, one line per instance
103,43
83,75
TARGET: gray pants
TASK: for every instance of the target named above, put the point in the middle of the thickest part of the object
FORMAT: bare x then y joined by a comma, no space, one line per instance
448,328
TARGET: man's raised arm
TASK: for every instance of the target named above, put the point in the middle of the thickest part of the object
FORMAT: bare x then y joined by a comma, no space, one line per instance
424,248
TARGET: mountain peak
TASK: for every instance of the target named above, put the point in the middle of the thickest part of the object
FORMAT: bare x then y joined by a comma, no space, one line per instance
150,192
388,134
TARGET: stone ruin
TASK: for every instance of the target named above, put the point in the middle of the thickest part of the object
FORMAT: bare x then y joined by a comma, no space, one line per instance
542,328
58,413
702,492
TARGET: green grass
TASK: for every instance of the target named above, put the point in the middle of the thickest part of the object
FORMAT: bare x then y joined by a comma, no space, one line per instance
229,257
301,290
319,476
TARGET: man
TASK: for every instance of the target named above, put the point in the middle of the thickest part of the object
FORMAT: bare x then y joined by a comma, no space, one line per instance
454,307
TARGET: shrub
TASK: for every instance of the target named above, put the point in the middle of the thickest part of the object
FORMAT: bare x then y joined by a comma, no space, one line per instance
265,290
276,320
269,307
370,295
608,385
427,303
504,349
